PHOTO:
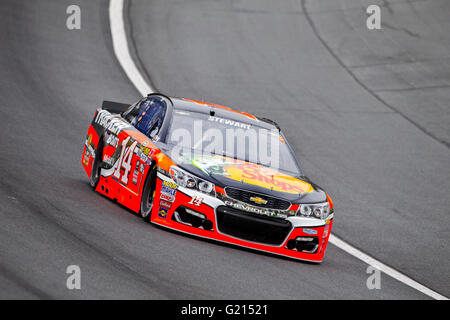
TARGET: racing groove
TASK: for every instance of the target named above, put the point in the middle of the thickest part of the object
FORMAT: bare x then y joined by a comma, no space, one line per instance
52,80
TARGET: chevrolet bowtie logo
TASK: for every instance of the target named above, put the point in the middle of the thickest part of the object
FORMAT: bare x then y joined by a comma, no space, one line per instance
258,200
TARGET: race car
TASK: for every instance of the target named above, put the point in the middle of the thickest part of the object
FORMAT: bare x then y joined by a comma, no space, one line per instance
209,171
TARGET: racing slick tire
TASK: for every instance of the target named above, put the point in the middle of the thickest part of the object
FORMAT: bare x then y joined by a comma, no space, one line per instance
148,195
96,166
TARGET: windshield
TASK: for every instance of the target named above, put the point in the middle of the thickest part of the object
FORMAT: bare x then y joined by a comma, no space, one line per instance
231,138
147,115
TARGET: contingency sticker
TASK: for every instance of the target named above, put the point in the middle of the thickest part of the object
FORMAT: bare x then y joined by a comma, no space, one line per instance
168,191
162,213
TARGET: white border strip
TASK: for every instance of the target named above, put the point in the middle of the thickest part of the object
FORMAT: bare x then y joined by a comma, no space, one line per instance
122,52
120,45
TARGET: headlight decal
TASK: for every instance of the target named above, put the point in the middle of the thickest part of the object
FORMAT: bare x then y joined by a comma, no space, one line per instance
188,180
314,210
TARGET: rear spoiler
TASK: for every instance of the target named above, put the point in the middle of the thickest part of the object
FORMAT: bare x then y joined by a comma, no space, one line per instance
115,107
270,121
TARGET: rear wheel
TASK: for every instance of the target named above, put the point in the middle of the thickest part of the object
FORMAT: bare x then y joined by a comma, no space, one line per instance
96,166
148,195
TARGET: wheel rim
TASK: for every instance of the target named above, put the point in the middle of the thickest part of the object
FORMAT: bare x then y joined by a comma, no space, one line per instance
96,166
95,173
149,204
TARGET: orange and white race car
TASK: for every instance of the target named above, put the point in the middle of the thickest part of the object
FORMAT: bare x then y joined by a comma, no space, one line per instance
210,171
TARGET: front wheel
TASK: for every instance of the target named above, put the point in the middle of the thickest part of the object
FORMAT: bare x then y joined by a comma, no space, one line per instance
148,195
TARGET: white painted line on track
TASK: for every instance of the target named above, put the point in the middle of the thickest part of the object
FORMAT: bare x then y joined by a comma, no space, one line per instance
384,268
120,45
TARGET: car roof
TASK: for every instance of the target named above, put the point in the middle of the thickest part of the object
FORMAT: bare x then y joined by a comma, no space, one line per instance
222,112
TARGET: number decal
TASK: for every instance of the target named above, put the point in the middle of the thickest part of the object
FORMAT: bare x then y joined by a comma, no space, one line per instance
124,161
197,201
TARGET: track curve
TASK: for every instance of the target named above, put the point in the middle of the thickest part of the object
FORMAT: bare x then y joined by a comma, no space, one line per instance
53,79
357,104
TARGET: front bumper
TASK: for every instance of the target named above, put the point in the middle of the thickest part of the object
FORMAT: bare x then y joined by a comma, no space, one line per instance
195,213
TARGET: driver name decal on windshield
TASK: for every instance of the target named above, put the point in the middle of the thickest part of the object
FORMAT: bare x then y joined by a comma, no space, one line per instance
229,122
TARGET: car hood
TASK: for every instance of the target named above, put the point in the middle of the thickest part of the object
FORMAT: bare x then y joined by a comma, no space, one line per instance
228,172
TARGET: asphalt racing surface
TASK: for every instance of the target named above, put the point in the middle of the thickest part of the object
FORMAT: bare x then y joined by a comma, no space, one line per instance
366,112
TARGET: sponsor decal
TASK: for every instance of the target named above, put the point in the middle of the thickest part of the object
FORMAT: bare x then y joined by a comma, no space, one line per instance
162,213
91,150
167,197
136,173
165,204
212,165
170,184
141,154
152,152
168,191
86,158
88,140
146,151
249,173
258,200
325,232
112,141
309,231
109,161
110,122
267,178
252,209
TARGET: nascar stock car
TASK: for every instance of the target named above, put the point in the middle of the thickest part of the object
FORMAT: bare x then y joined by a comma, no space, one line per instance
150,157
